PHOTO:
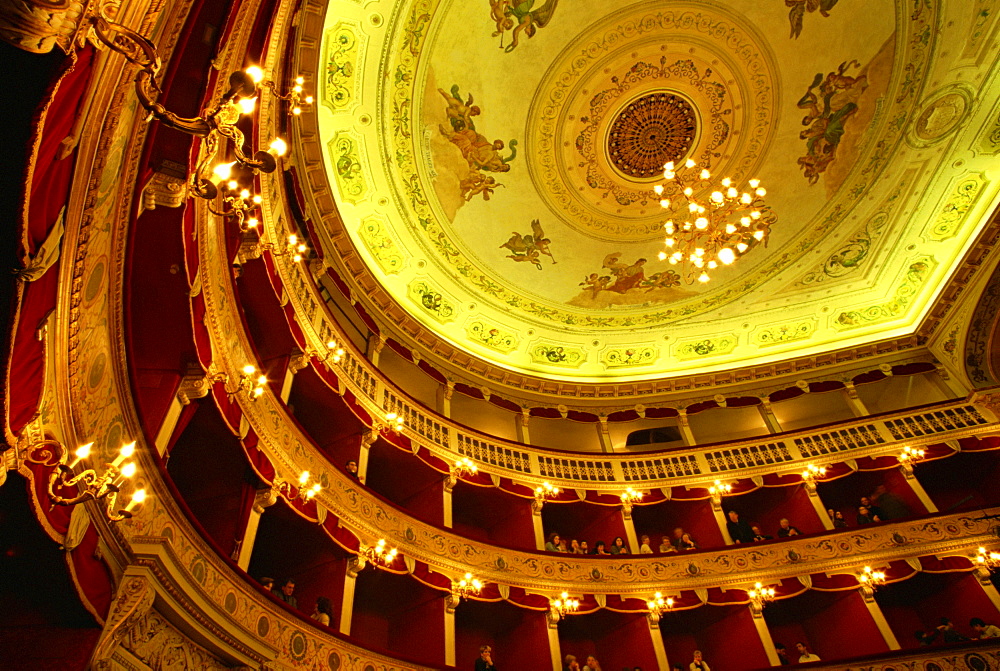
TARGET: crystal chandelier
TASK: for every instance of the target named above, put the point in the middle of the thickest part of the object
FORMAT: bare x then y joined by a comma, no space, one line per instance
717,229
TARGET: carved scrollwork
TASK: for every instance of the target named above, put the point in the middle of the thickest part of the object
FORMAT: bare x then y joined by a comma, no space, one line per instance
133,600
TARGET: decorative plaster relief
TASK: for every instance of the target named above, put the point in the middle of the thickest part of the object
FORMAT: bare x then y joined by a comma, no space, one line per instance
346,149
914,277
553,354
344,49
781,333
703,347
381,246
431,300
624,357
482,332
952,213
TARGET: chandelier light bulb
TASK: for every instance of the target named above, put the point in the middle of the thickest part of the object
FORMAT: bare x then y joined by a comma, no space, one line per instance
256,74
252,222
249,369
303,478
278,147
247,105
223,171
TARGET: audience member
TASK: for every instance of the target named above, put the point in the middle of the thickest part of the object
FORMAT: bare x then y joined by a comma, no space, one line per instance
485,660
563,545
570,663
592,664
782,653
676,540
738,529
698,664
584,548
984,630
600,549
925,638
873,510
574,547
948,632
618,546
785,529
865,516
838,519
267,583
759,535
323,612
666,545
644,548
287,593
687,543
804,655
352,468
676,667
891,506
552,543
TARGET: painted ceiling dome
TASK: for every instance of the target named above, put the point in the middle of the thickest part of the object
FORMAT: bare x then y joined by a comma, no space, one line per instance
495,162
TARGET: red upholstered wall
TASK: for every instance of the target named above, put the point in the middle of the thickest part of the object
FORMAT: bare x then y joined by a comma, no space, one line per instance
517,635
834,625
616,639
406,481
725,634
964,481
493,516
584,522
921,601
767,505
396,613
695,517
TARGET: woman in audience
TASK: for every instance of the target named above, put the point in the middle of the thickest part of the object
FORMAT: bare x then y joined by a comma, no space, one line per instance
584,549
574,547
865,516
600,549
552,543
838,520
618,546
666,546
570,663
592,664
687,543
323,612
644,548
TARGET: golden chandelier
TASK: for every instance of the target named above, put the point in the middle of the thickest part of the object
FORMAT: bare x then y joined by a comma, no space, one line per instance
704,233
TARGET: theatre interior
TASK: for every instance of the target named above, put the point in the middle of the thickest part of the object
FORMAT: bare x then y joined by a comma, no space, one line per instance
371,335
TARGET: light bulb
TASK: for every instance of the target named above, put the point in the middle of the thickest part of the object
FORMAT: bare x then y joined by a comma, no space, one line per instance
278,147
247,105
249,369
689,163
128,470
256,74
663,256
223,171
703,278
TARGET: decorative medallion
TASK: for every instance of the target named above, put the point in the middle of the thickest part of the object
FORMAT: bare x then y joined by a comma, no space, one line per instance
557,355
346,148
340,79
432,301
953,212
483,333
942,113
650,131
703,347
381,246
625,357
782,333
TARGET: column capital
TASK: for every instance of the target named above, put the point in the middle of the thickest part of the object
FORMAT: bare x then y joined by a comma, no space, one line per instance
264,498
193,386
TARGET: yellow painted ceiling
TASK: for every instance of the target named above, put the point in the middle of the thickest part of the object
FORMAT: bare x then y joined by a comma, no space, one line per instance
491,161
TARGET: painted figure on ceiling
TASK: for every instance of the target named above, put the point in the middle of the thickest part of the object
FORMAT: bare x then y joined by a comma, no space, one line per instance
528,248
829,103
628,276
800,7
506,12
460,113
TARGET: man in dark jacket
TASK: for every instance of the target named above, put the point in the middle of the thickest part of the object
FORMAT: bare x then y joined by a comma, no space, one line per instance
738,529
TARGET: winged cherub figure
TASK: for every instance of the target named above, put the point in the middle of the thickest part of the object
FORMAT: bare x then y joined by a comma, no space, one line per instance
529,247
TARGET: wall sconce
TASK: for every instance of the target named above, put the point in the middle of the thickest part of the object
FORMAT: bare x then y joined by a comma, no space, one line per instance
759,596
658,605
378,554
629,497
95,487
302,491
250,383
989,560
294,96
463,466
811,474
333,352
238,204
466,587
871,577
561,607
909,457
293,248
716,491
543,491
393,422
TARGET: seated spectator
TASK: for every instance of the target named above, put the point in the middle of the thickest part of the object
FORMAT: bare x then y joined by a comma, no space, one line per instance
485,660
782,653
323,612
618,546
600,549
592,664
984,630
873,510
804,655
759,535
738,529
865,516
687,543
584,548
698,664
267,583
666,546
948,632
352,468
287,593
891,507
785,529
678,534
570,663
644,548
563,546
925,638
574,547
838,519
552,543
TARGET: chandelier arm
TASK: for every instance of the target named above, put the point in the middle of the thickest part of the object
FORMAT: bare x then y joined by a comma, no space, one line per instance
49,453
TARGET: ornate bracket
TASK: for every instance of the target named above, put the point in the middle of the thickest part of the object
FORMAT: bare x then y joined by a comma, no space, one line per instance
133,601
265,498
196,386
356,565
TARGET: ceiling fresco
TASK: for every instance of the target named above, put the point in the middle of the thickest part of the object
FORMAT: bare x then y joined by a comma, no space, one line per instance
494,163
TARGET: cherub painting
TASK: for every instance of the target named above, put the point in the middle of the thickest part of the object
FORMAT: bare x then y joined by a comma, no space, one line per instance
829,103
622,283
800,7
528,18
529,248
